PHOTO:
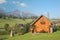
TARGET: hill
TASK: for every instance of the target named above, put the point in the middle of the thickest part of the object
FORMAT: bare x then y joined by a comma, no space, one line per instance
24,14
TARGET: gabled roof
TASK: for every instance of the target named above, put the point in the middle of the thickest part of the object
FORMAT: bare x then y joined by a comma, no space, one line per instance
38,19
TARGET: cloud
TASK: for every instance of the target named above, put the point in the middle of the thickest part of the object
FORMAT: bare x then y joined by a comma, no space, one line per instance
13,2
2,1
23,5
17,3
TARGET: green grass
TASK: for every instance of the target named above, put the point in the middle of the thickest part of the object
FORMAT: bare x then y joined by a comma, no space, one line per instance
30,36
12,22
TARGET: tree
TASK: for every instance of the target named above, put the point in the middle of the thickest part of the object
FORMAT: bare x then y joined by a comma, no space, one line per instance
2,13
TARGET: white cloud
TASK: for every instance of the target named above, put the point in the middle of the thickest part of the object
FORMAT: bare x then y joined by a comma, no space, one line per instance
23,5
2,1
15,2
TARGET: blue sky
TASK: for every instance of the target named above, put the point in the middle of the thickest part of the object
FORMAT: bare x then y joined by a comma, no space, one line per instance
37,7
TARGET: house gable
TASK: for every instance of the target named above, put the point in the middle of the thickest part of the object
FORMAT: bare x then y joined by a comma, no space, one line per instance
42,18
42,21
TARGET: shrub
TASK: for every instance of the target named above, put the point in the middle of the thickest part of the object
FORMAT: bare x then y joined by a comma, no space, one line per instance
7,28
28,27
55,28
16,28
20,28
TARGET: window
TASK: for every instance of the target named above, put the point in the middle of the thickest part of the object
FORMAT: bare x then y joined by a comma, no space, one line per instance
42,21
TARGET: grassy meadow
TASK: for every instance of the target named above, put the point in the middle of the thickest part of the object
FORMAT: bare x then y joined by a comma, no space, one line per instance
30,36
12,22
27,36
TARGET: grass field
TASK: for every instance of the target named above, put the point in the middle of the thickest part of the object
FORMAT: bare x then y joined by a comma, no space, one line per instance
27,36
12,22
30,36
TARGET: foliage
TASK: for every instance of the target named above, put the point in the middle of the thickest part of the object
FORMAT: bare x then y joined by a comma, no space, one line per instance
19,30
28,27
16,28
7,28
55,28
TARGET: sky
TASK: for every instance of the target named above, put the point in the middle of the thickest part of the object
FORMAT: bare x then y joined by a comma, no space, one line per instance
37,7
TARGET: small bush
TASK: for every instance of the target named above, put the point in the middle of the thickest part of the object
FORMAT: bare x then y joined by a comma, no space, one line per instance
55,28
20,28
28,27
16,28
7,28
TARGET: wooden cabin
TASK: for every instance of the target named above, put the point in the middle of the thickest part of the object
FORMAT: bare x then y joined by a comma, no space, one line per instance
41,24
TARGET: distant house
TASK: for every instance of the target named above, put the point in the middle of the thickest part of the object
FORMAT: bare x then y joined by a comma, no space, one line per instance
21,26
41,24
56,23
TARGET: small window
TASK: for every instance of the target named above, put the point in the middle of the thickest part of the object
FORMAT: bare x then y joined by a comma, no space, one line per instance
42,21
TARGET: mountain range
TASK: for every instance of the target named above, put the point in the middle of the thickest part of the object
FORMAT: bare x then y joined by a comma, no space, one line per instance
18,13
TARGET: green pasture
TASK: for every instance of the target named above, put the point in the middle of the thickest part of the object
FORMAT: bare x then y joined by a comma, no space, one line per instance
12,22
30,36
